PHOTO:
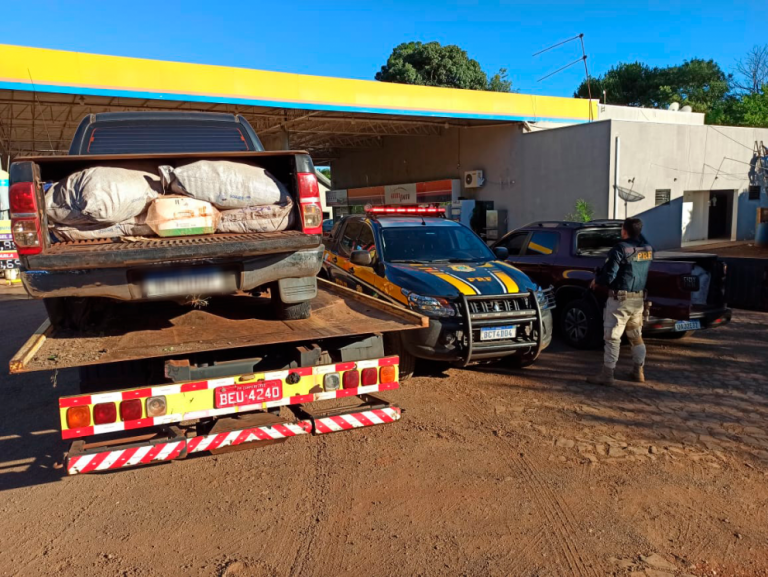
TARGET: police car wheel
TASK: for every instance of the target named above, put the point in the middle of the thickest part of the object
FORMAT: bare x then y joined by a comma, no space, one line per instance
579,324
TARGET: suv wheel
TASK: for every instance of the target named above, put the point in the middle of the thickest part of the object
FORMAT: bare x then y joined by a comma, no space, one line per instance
580,324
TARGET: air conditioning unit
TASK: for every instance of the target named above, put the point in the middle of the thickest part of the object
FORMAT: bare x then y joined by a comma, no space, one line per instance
473,179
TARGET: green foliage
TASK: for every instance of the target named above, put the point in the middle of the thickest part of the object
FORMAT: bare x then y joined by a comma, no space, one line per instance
582,212
326,172
432,64
700,84
499,82
746,110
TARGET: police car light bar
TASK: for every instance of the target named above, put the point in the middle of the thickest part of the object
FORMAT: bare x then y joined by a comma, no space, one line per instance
415,210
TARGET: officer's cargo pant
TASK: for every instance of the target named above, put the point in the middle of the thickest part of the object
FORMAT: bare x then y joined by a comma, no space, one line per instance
623,313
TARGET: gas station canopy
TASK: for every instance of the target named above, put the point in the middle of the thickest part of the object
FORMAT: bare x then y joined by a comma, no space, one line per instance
45,93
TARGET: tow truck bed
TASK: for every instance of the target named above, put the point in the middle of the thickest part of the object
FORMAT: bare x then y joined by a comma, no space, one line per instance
226,323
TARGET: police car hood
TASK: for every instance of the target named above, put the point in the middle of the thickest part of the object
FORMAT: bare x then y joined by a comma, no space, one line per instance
450,280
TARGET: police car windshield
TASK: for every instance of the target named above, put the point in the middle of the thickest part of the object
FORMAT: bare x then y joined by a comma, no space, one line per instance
433,244
597,240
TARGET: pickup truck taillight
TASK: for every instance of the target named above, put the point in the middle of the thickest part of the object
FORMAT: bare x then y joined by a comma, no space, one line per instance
25,222
309,199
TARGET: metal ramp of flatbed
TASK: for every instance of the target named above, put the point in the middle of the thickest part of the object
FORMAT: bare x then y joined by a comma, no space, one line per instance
161,329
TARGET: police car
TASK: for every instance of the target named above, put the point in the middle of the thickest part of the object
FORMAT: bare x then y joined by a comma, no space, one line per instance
480,308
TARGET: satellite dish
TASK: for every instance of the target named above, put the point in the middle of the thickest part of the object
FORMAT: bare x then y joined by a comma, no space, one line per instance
686,109
628,195
674,107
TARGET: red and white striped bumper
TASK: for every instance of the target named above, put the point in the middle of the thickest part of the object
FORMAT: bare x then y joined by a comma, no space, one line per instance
90,462
356,420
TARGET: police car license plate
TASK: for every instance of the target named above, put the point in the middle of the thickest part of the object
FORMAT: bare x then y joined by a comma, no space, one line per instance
497,333
681,326
184,283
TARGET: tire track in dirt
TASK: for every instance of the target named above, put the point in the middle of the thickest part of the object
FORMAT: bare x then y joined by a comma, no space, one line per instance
555,510
516,562
65,532
311,528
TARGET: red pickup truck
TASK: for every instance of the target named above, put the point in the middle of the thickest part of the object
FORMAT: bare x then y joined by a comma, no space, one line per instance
687,289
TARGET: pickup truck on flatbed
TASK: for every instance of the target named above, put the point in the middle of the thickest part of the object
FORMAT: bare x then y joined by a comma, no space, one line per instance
72,277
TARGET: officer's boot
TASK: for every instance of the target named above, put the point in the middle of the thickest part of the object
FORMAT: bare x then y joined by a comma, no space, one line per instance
604,377
637,375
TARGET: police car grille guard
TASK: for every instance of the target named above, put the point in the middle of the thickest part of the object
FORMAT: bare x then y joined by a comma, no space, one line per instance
483,311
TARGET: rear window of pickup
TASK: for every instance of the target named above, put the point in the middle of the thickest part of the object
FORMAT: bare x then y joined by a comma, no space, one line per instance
158,137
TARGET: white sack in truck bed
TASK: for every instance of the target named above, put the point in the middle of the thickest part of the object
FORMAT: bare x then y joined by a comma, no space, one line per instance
103,195
135,226
224,184
271,218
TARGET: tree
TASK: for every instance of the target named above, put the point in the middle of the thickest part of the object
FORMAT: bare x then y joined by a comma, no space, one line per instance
432,64
752,70
746,110
700,84
626,84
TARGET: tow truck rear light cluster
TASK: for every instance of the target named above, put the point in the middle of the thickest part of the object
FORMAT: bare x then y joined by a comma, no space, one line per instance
25,223
309,199
415,210
106,413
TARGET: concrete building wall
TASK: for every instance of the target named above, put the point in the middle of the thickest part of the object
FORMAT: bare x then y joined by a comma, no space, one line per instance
539,175
534,176
689,161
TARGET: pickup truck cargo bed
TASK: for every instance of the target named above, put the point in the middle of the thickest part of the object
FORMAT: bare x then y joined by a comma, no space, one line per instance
228,323
86,254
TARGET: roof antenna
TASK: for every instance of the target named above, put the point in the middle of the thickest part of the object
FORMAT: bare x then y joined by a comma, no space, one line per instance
583,58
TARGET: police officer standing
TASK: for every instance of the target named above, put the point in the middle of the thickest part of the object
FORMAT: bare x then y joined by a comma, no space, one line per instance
625,273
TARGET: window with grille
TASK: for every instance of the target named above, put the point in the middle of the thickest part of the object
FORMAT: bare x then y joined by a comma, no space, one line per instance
754,192
663,196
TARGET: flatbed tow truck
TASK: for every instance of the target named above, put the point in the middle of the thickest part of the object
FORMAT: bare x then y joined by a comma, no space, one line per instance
164,383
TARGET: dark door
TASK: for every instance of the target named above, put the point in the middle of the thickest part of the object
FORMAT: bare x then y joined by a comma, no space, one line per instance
719,221
537,256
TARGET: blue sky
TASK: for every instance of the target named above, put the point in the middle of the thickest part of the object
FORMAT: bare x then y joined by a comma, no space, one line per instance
353,39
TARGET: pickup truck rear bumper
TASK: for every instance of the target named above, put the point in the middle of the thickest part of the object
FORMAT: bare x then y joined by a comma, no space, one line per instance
708,319
125,283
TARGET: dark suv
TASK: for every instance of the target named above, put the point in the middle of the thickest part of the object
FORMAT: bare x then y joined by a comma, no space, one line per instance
686,289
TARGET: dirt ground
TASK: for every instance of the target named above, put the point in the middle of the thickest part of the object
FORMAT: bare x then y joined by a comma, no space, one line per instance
490,472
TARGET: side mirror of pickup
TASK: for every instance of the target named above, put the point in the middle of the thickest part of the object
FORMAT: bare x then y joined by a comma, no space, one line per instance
501,252
361,258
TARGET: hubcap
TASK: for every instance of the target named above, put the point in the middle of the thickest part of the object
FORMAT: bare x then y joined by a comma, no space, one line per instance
576,325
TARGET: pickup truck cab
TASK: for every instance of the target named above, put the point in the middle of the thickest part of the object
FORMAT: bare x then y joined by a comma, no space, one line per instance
479,308
686,289
72,276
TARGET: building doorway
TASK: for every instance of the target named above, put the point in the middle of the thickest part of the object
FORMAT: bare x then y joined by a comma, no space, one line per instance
707,215
720,214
